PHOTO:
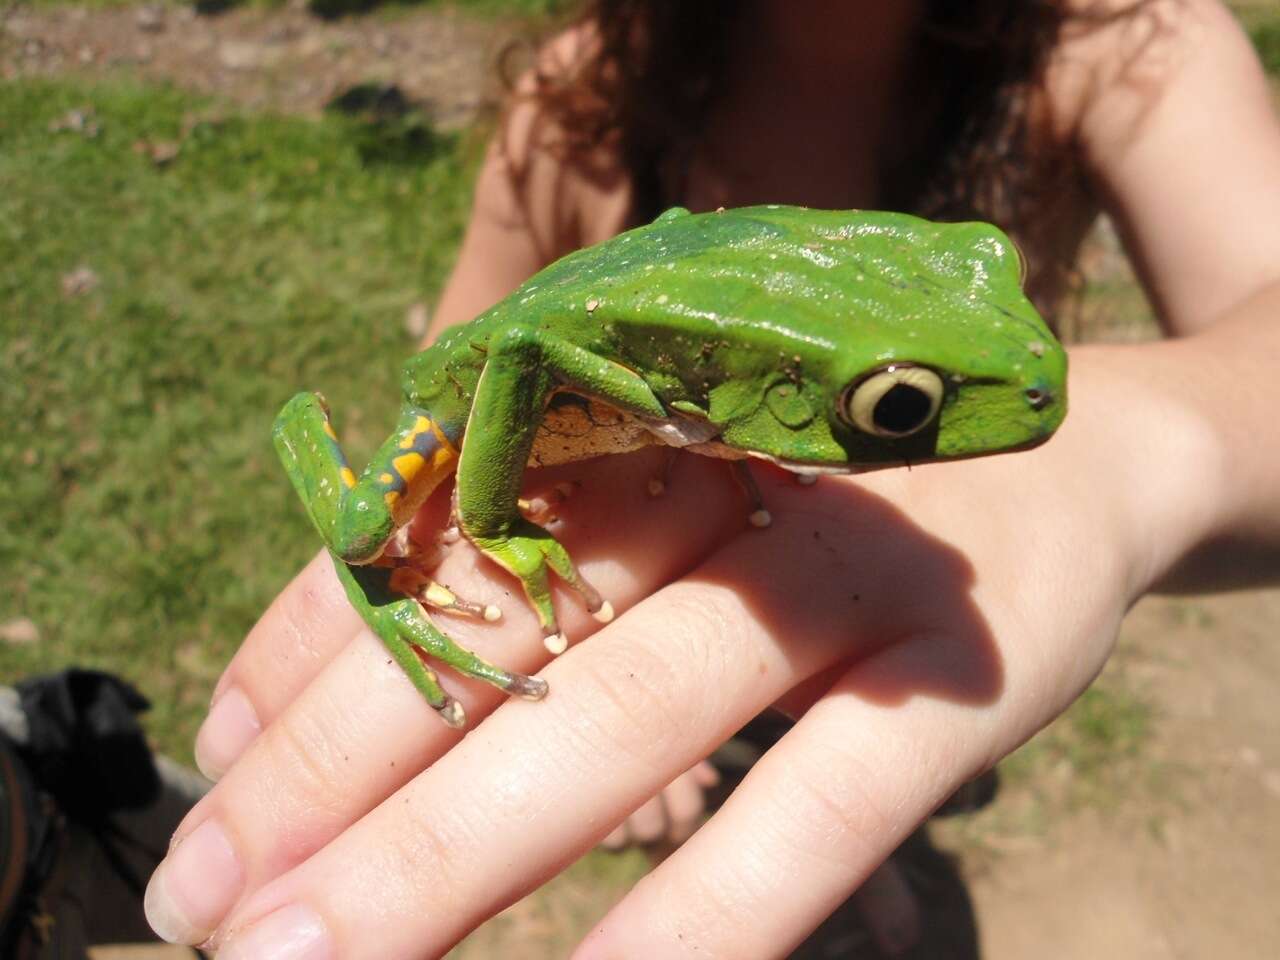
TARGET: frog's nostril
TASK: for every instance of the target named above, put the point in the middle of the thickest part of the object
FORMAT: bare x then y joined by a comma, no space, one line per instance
1038,398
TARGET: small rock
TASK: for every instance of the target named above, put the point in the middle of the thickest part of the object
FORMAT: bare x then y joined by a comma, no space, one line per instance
239,55
79,281
416,320
20,631
80,121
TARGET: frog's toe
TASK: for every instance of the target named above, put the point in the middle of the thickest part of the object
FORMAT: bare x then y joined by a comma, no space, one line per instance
422,588
556,643
527,688
657,485
452,714
541,508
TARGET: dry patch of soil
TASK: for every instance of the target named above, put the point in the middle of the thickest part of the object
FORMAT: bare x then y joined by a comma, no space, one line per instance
284,59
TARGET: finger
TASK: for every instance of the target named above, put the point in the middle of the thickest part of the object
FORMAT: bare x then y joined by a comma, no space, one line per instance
302,630
684,801
528,788
649,823
617,838
705,774
311,620
889,908
810,823
360,729
537,784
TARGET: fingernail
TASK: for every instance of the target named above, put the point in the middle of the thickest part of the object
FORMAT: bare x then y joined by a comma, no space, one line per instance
194,886
291,933
229,728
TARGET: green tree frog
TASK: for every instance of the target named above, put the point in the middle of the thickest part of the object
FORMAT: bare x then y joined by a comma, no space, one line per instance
820,341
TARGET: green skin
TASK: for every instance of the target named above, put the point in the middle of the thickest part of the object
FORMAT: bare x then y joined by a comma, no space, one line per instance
740,333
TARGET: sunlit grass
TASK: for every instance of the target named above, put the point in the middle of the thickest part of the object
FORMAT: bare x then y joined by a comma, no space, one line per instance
153,318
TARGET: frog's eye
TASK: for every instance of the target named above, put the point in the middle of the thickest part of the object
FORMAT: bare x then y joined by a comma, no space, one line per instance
897,401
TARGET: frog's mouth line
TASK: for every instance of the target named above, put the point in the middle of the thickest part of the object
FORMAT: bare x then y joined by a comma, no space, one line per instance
803,469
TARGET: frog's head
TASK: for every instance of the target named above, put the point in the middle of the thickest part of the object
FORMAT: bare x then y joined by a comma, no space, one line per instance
934,352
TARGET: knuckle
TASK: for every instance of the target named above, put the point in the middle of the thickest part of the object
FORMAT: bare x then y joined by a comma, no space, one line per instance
625,703
430,842
829,800
674,675
313,765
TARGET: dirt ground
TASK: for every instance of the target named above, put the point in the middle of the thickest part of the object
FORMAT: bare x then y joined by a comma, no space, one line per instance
1175,855
1183,860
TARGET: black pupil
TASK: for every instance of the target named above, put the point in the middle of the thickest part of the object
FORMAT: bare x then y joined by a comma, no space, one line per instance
902,409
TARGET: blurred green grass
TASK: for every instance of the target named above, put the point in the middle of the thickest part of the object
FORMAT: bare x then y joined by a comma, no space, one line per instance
145,522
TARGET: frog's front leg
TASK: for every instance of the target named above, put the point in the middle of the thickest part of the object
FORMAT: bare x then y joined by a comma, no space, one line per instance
523,368
358,518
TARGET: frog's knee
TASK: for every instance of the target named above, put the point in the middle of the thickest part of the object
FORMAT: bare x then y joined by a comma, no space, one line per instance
361,532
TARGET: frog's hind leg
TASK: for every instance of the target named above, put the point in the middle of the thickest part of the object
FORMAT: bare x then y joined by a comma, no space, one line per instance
411,639
357,517
359,520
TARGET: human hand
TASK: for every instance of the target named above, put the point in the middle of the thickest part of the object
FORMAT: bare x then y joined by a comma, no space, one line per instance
922,623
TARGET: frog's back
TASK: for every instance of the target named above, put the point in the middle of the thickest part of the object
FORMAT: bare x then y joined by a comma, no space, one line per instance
770,266
763,275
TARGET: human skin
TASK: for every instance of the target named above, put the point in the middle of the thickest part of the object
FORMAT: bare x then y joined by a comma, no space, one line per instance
921,624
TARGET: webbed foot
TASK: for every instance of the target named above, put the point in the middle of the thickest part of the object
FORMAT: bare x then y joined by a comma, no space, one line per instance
412,640
528,552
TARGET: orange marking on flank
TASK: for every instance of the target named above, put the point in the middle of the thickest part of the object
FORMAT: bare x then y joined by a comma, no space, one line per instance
348,477
328,428
392,497
408,465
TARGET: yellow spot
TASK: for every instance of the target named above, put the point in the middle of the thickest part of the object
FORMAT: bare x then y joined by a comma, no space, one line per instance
422,425
408,465
442,456
328,428
439,596
348,477
392,497
386,479
407,440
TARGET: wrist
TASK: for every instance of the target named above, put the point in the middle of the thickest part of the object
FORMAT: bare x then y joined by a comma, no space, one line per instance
1139,411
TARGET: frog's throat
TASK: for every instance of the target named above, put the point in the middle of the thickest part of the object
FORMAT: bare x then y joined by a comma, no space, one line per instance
703,437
